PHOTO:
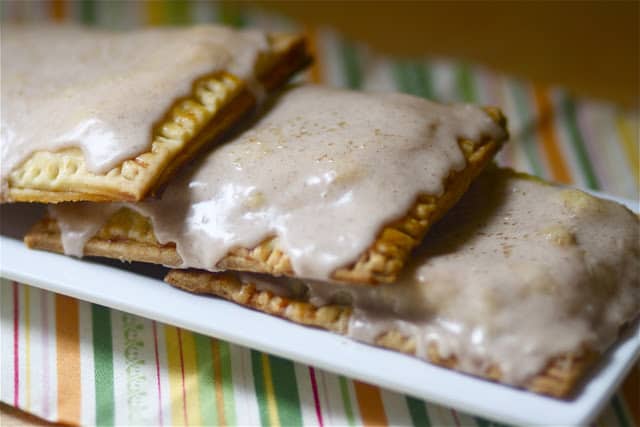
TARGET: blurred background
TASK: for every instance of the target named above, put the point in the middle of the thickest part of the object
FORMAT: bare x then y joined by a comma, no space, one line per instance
566,73
590,47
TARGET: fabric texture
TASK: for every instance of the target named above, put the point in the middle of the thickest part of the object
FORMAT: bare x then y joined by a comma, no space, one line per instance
82,364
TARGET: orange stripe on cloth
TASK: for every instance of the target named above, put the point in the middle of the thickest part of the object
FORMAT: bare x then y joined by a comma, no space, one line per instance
58,10
370,404
68,359
315,71
631,393
557,163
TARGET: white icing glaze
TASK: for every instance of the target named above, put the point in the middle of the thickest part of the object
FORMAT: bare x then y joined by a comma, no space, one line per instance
103,91
78,222
324,170
517,273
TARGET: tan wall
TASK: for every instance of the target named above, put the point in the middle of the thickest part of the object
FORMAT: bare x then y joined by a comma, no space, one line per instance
590,47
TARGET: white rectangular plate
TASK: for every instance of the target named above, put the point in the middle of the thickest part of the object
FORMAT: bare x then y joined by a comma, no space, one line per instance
137,289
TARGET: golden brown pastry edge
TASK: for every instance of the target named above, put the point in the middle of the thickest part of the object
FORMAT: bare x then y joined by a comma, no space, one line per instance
560,377
190,125
380,263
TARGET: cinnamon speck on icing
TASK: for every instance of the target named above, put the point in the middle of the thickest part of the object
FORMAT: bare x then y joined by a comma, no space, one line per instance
517,273
103,91
323,169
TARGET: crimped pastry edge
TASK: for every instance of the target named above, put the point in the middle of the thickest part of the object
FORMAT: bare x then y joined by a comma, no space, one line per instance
217,101
380,263
559,378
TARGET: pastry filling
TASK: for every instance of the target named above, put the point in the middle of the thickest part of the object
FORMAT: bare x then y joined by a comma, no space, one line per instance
105,91
323,169
517,273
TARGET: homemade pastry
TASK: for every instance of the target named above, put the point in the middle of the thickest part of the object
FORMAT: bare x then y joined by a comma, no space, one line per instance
522,283
105,116
328,184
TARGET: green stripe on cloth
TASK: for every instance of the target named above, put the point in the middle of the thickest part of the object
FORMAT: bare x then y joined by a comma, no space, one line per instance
259,386
88,11
103,364
351,65
568,109
401,77
424,80
286,391
621,414
482,422
527,142
227,383
208,411
112,14
418,412
464,80
413,78
176,12
346,401
232,14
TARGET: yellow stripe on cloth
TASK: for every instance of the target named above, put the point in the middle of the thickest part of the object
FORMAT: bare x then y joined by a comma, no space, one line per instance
217,381
176,385
274,420
155,12
190,364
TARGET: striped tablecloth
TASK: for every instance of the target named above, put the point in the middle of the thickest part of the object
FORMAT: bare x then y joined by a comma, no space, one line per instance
79,363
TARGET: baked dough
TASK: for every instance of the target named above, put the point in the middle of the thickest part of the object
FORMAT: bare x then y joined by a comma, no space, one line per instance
559,378
217,101
129,236
522,283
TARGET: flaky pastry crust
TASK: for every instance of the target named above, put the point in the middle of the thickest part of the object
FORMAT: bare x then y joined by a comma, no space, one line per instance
131,237
216,102
559,378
